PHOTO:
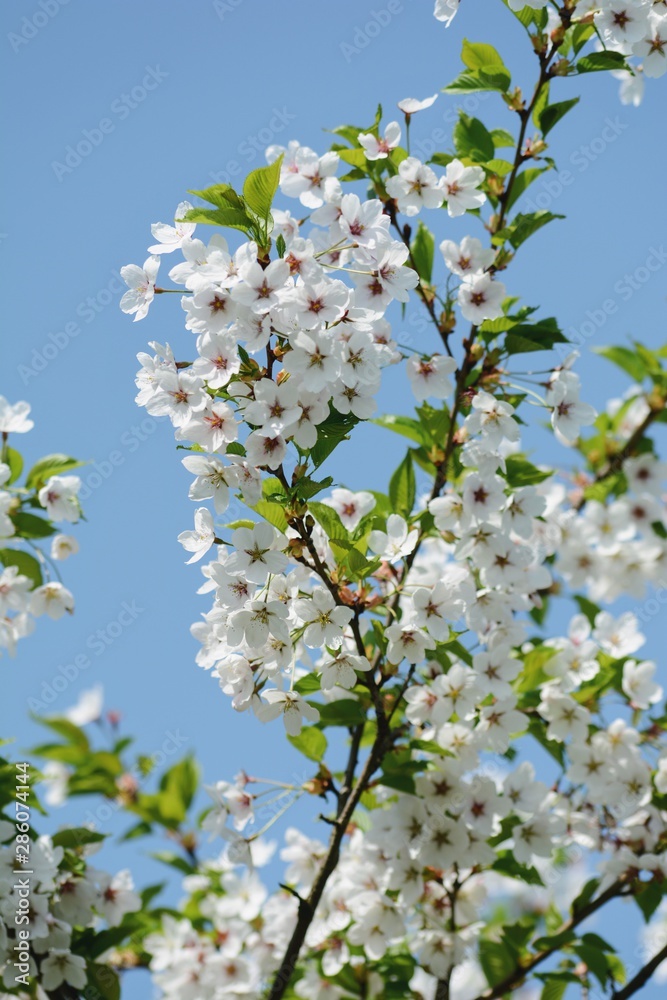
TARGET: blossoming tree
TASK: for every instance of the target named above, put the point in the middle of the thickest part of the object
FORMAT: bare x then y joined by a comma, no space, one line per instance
489,780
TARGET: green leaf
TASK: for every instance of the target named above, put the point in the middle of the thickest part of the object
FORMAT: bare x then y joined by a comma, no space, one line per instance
231,218
72,734
220,195
14,459
273,513
25,563
344,712
521,472
403,487
423,248
540,104
307,684
524,225
597,61
103,982
490,78
311,742
406,426
174,861
580,35
50,465
502,138
330,433
496,960
649,899
400,782
77,836
505,864
307,487
31,526
586,895
553,989
478,55
522,182
541,336
329,519
553,113
472,139
260,188
595,961
281,246
628,360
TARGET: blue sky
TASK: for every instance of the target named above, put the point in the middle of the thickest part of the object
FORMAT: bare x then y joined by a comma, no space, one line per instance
164,97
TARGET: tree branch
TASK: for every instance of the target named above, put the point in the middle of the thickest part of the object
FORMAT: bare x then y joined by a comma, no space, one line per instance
519,973
643,976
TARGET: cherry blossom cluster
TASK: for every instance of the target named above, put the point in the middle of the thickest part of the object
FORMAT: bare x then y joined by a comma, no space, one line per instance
30,585
67,895
636,29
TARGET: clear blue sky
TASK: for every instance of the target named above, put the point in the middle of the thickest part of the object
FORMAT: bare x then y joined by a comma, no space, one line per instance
226,79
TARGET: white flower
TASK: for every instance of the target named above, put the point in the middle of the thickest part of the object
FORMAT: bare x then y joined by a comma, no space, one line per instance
565,716
261,289
481,298
467,258
256,622
618,636
291,706
430,376
568,414
61,966
314,356
638,683
256,553
445,10
500,721
59,497
170,238
631,90
411,105
379,149
266,448
460,187
88,708
396,542
63,546
324,619
407,642
415,187
116,896
350,507
274,406
199,540
341,671
623,22
493,418
52,599
652,49
645,474
212,480
14,417
141,285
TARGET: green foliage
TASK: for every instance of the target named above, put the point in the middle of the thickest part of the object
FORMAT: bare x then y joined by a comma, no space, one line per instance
403,487
50,465
311,742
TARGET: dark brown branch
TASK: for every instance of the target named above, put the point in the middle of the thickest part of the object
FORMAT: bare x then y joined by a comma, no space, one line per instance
522,969
643,976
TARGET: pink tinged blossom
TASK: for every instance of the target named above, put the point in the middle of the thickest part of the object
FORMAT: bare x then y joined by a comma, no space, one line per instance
460,187
379,147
